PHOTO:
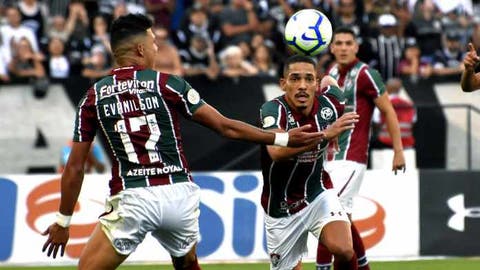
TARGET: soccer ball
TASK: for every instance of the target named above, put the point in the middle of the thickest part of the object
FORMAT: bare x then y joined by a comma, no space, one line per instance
308,32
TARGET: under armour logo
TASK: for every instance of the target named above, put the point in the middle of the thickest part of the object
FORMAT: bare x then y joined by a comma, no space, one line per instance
457,205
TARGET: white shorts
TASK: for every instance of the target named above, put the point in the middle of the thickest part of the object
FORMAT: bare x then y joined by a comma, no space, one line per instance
169,212
347,177
287,236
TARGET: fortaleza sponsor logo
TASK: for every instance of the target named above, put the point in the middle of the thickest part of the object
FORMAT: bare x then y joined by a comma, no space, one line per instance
132,86
154,171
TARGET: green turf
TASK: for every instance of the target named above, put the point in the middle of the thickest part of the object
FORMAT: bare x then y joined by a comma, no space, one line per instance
444,264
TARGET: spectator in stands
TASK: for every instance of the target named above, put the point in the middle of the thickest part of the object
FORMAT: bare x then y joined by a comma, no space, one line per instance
167,57
456,21
238,22
448,61
13,31
26,67
119,10
347,15
411,64
57,28
199,58
58,67
262,59
95,161
387,48
96,65
100,35
25,63
471,75
234,65
197,23
34,16
57,7
289,7
79,43
427,30
161,11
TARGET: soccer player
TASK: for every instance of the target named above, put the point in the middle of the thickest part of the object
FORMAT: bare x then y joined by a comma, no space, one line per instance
470,80
363,89
151,188
297,197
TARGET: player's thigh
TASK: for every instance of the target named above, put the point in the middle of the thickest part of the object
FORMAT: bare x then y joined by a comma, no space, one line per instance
286,240
337,237
325,208
99,252
180,225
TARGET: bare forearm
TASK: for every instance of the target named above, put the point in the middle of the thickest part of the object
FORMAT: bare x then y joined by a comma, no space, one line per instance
239,130
278,153
470,80
71,185
394,130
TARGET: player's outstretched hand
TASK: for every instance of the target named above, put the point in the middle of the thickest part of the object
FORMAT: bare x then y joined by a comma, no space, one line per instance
301,136
345,122
471,58
57,238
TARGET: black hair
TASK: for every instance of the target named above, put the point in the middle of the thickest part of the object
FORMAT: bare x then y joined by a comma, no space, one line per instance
344,30
297,58
128,26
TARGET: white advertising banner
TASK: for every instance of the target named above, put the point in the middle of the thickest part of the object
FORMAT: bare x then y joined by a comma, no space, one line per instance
231,219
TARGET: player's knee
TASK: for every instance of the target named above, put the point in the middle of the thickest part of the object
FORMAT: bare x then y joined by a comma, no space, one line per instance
342,252
187,262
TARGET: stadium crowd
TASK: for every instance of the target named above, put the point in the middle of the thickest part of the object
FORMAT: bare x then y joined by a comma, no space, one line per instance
47,41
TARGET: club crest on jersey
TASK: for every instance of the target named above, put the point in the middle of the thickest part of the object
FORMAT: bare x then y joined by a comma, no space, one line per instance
275,259
354,71
326,113
193,97
290,118
268,121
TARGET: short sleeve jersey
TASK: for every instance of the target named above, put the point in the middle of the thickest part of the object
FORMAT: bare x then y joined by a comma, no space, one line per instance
361,86
289,185
137,110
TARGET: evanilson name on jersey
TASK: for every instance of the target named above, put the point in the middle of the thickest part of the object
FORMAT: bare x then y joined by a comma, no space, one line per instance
133,86
129,105
154,171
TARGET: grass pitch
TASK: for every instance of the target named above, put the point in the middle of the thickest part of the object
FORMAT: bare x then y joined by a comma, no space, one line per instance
440,264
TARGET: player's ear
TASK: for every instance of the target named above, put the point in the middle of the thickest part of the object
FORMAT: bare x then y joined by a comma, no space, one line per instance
140,49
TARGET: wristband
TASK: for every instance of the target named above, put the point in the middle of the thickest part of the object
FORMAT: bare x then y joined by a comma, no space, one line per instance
63,221
281,139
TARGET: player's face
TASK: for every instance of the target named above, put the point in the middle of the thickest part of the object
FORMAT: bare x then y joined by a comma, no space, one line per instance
300,84
150,49
344,47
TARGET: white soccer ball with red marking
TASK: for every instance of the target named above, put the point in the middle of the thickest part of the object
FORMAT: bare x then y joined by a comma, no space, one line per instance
308,32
